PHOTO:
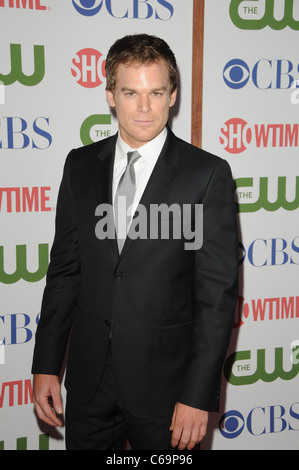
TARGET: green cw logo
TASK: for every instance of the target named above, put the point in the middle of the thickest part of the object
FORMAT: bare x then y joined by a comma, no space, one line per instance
22,271
95,127
243,369
22,443
257,14
244,187
17,75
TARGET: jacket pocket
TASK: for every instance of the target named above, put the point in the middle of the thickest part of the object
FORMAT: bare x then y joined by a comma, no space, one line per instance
176,333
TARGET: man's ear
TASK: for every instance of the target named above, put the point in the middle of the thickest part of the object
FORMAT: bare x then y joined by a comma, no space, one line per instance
173,98
110,98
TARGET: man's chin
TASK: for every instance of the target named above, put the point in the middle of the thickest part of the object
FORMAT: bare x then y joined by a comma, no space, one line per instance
142,137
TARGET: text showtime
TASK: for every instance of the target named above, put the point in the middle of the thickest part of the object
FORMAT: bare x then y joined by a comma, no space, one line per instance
35,199
237,135
29,4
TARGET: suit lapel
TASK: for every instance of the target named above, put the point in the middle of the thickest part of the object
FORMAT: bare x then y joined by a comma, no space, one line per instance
104,179
104,172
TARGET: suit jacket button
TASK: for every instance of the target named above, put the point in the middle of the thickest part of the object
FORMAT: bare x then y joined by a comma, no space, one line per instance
107,323
118,274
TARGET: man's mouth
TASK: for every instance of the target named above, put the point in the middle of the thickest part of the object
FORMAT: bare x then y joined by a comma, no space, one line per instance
143,122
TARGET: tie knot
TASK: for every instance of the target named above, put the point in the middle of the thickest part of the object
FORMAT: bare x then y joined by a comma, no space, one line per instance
132,157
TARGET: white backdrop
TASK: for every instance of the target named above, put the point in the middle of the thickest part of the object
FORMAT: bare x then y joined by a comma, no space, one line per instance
250,118
57,102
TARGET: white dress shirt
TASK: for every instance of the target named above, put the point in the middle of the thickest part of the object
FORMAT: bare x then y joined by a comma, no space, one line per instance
143,166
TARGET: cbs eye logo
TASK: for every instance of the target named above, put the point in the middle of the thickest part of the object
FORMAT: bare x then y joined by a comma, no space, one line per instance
236,74
232,424
88,7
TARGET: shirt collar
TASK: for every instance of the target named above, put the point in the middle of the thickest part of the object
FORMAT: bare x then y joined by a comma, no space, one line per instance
149,151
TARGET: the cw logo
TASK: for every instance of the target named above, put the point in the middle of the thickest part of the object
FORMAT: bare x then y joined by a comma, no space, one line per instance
22,443
257,14
21,271
17,75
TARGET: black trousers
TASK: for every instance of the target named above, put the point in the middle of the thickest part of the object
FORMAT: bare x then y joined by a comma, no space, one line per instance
105,423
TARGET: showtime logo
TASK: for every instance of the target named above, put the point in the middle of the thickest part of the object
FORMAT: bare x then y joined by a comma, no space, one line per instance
25,199
260,310
29,4
237,135
23,395
89,68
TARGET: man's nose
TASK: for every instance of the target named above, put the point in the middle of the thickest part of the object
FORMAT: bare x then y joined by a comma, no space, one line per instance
144,104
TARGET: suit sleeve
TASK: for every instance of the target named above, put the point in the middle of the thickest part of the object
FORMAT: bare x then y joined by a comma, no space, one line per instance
216,289
61,289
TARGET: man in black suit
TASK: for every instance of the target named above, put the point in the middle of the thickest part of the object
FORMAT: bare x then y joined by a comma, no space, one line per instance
150,321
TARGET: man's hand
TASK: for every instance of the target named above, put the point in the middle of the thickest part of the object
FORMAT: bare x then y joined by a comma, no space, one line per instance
47,398
189,426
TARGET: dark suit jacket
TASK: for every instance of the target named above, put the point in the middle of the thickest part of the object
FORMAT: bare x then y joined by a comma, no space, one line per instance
170,310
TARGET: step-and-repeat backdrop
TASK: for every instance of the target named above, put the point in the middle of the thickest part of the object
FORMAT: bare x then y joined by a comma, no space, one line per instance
52,98
52,64
250,118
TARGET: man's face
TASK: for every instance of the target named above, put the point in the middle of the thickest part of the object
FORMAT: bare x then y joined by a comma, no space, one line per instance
142,100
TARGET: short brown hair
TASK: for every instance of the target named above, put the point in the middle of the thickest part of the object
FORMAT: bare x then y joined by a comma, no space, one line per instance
140,49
